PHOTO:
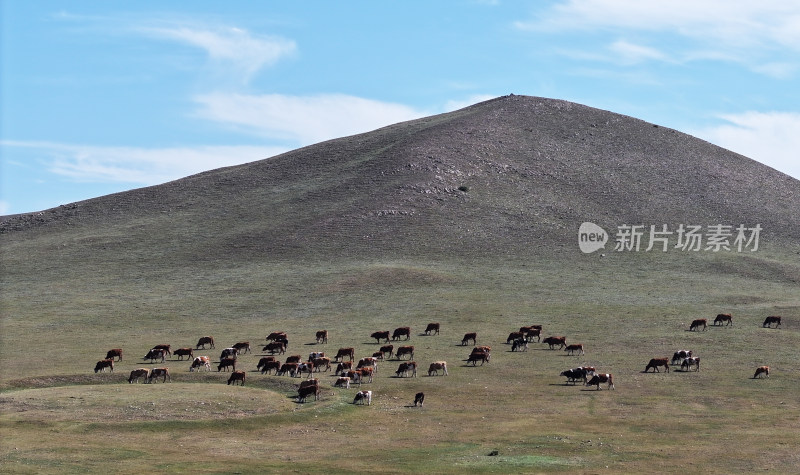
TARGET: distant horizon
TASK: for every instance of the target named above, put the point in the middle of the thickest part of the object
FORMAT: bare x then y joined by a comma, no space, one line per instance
103,98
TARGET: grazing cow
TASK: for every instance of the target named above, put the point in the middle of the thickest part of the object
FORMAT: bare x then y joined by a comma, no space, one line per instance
226,363
387,349
115,353
469,336
432,328
405,367
229,353
761,370
103,364
264,360
294,359
656,362
307,367
276,336
287,368
681,355
380,336
419,398
309,382
725,318
355,376
242,347
532,331
368,361
349,352
689,362
316,354
275,347
363,397
377,355
237,376
322,362
482,349
476,356
268,366
200,361
574,374
342,382
163,373
520,344
154,354
700,322
342,367
405,350
366,372
322,336
437,366
576,347
597,379
203,341
304,392
402,331
513,336
166,348
552,341
143,373
181,352
770,320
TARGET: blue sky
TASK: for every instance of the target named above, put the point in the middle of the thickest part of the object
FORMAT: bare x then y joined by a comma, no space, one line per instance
105,96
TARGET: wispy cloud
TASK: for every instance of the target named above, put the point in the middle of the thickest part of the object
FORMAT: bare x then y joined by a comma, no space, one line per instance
141,166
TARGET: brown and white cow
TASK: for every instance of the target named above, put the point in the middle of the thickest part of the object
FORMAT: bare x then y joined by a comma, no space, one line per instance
419,398
199,362
531,332
226,363
267,366
384,335
143,373
342,367
725,318
575,347
400,332
689,362
287,368
432,328
154,354
770,320
368,361
276,336
307,367
103,364
355,376
166,348
181,352
275,347
700,322
761,371
366,372
229,353
598,379
437,366
405,350
469,336
315,354
363,397
405,368
322,336
237,376
552,341
680,355
342,382
203,341
242,347
656,362
114,353
322,362
520,344
162,373
349,352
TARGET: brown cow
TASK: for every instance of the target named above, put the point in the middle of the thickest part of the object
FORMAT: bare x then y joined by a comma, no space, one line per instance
307,367
322,362
761,370
700,322
294,359
275,347
387,349
366,372
432,328
322,336
103,364
342,382
237,376
114,353
514,336
725,318
203,341
770,320
402,331
226,363
469,336
405,368
577,347
304,392
436,366
242,347
368,361
597,379
349,352
181,352
656,362
552,341
200,361
380,336
405,350
419,398
268,366
143,373
342,367
159,372
532,331
290,368
476,356
309,382
276,336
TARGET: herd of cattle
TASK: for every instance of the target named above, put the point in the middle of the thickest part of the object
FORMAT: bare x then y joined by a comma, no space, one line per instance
349,371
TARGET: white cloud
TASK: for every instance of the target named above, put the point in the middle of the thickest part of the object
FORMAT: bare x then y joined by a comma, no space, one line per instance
772,138
631,53
302,119
143,166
